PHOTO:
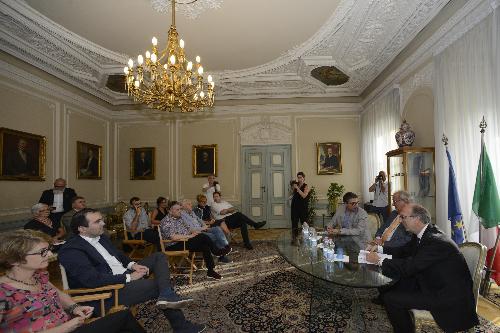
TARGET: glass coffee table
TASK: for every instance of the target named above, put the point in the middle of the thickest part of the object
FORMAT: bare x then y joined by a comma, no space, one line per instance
343,277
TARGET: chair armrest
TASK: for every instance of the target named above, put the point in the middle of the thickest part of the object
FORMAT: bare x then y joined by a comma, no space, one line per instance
94,290
89,298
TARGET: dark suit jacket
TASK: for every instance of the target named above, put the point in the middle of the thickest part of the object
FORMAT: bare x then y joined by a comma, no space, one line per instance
85,267
400,236
440,273
142,168
48,198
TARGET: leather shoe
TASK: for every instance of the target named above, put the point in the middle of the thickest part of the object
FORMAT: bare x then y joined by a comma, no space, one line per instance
259,225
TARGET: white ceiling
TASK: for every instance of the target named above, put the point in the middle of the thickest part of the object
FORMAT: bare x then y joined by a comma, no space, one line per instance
253,48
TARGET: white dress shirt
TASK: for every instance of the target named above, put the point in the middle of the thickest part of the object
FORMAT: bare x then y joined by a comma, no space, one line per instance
58,202
218,207
210,193
113,263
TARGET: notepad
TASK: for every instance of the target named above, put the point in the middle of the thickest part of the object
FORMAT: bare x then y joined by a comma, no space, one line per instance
363,253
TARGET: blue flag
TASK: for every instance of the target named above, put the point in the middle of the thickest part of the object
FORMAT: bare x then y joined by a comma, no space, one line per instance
454,211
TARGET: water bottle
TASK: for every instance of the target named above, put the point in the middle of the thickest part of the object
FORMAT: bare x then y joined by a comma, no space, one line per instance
305,230
340,253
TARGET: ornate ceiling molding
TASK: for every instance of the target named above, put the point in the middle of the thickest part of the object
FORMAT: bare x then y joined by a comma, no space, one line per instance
189,8
360,38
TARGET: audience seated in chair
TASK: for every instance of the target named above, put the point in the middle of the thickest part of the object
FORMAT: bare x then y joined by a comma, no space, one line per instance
30,303
204,212
350,219
137,221
195,224
160,211
91,261
173,227
431,274
43,223
223,210
77,204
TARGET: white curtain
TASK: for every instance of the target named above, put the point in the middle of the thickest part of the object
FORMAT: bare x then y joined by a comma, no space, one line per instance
466,85
379,123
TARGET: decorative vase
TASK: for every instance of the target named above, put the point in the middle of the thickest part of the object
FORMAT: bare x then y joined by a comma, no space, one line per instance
405,136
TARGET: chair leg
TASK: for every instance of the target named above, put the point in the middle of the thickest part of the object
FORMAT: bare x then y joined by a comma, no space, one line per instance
191,269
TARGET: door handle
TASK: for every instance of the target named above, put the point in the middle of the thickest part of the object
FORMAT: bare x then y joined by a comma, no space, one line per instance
263,188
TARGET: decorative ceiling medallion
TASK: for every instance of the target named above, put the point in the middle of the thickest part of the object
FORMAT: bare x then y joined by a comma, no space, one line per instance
116,83
329,75
189,8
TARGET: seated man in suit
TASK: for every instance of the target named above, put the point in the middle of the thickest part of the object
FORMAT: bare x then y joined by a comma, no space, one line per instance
137,220
392,233
431,275
350,219
77,204
234,219
91,261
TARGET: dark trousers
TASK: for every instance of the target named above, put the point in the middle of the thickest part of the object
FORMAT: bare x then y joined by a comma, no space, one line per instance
401,298
56,217
239,220
118,322
142,290
150,236
299,214
199,243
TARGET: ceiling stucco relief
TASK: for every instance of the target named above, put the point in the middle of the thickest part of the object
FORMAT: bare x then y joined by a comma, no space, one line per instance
360,38
187,8
265,130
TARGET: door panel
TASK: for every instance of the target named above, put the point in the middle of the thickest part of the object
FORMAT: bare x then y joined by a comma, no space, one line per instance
265,174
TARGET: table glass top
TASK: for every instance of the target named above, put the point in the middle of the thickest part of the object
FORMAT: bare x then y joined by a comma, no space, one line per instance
310,259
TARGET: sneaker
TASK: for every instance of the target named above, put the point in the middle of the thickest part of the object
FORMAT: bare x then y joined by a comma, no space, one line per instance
173,301
259,225
213,275
222,252
224,260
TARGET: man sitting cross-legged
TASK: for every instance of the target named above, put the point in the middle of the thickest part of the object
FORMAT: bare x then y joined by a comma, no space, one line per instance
91,261
174,228
224,210
214,232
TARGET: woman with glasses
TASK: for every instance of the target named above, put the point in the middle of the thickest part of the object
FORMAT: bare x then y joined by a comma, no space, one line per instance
350,219
30,303
43,223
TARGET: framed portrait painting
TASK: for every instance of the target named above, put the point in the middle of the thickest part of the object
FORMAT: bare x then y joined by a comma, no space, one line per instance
329,158
142,163
88,161
204,160
22,154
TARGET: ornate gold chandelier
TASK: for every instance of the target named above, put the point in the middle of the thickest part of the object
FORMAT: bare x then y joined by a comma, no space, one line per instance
166,80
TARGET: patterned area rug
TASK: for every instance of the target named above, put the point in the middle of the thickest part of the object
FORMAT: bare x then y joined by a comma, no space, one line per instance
260,292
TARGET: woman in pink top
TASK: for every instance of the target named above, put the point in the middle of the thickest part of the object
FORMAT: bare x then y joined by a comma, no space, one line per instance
30,303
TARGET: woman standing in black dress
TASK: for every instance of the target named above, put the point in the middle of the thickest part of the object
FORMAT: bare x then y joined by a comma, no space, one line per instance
300,202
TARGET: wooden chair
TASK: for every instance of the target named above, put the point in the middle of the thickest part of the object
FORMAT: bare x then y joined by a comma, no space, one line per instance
373,223
179,261
94,294
140,248
475,256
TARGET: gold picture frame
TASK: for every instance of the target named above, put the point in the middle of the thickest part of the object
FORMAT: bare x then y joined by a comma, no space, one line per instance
204,160
22,155
142,163
88,161
329,158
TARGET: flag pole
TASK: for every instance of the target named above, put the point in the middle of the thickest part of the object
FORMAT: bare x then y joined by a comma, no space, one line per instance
486,280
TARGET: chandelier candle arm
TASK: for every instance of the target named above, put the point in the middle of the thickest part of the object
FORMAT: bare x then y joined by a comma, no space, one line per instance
166,80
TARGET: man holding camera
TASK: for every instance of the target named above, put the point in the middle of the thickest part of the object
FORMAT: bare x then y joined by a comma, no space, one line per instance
209,189
380,198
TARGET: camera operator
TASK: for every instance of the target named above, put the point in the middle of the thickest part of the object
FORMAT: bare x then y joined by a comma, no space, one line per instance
300,201
209,189
380,198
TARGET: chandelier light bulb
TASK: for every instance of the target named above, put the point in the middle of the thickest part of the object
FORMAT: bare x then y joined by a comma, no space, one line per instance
165,66
136,83
130,63
140,59
189,66
125,70
181,44
209,78
202,94
198,59
200,70
153,58
212,84
154,41
172,59
148,55
195,97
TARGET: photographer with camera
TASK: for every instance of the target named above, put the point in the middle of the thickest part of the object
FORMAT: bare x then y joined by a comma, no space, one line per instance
209,189
380,199
300,202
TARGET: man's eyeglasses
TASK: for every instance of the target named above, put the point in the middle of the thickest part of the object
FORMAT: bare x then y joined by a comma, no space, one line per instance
396,201
353,203
402,217
43,252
